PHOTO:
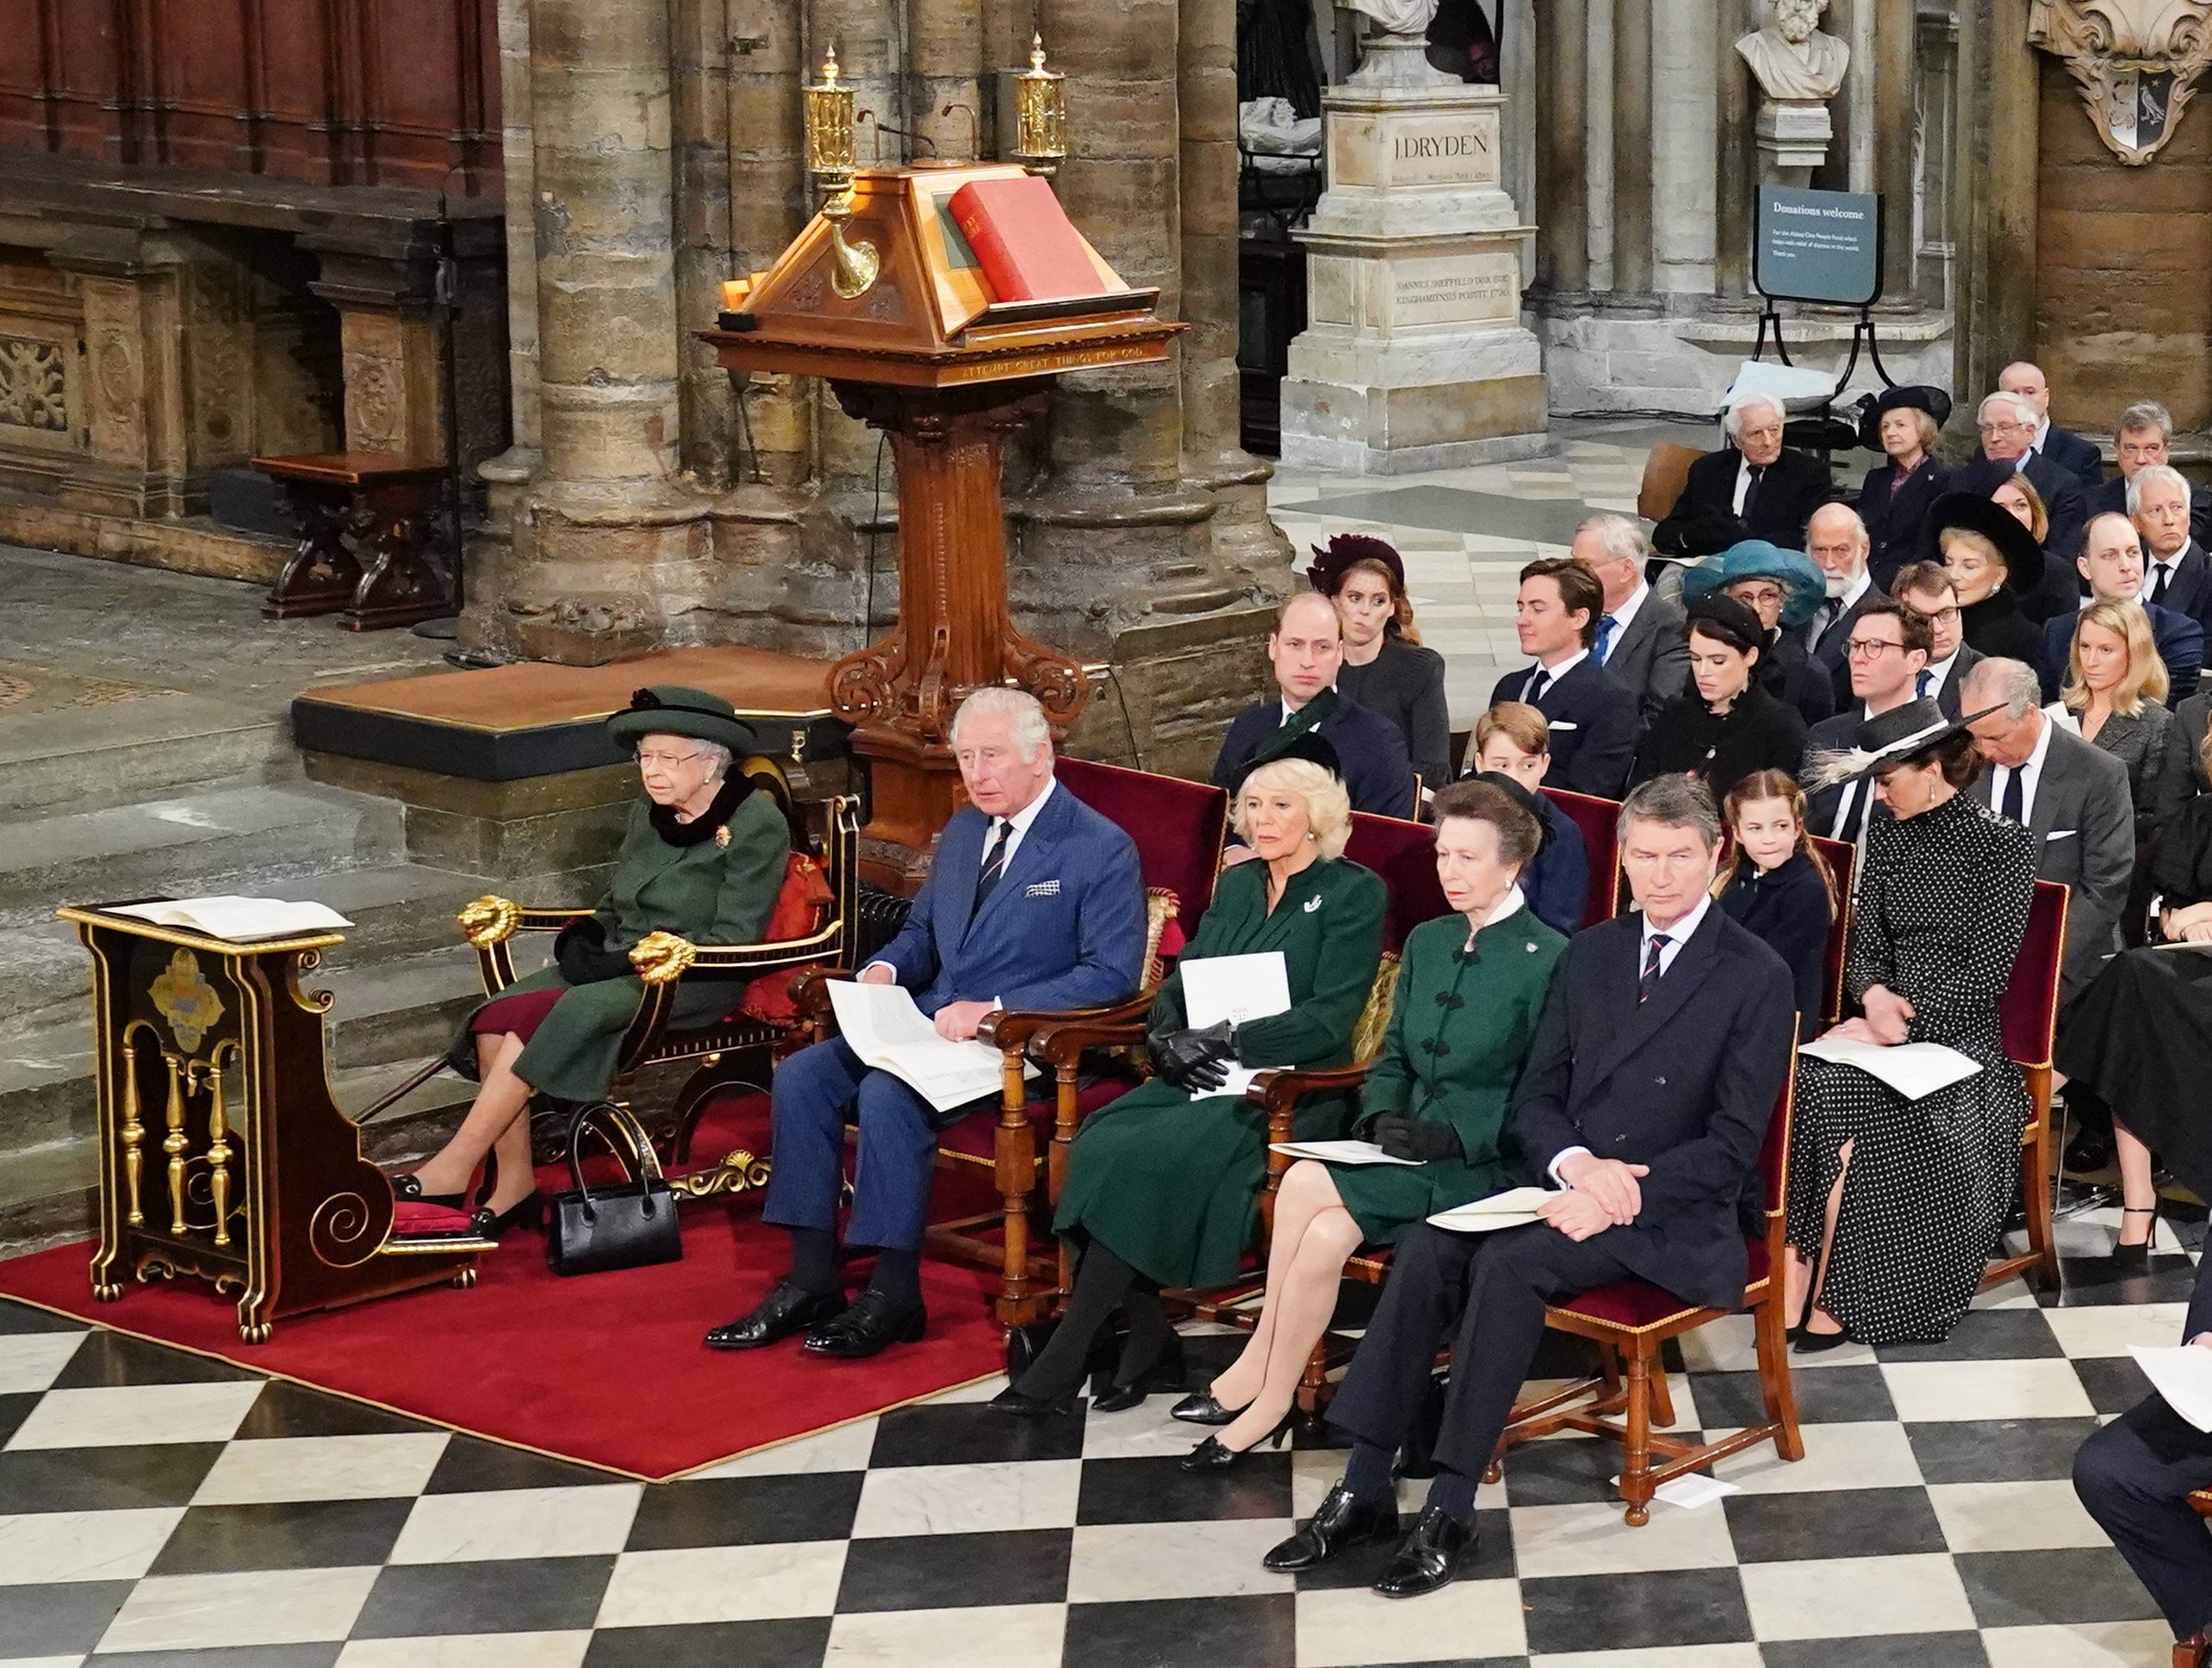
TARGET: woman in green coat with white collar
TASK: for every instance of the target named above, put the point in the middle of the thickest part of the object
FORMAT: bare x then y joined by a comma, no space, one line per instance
1471,987
704,858
1162,1185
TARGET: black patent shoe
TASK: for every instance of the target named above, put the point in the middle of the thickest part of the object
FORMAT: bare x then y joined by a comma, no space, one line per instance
1010,1400
870,1325
1201,1409
1213,1454
787,1309
1345,1520
408,1188
1430,1558
1165,1373
528,1211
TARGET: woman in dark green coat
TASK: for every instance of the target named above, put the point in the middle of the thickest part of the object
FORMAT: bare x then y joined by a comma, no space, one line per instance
704,858
1162,1185
1472,985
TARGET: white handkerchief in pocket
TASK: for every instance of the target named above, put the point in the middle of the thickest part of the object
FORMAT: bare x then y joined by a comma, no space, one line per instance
2062,834
1562,723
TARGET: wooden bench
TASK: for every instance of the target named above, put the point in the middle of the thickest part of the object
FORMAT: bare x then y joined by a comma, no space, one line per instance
362,554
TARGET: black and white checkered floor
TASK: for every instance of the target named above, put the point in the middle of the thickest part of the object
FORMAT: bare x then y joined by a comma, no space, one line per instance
162,1509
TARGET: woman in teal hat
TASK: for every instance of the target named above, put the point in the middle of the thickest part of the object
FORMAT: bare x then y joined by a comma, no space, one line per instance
704,858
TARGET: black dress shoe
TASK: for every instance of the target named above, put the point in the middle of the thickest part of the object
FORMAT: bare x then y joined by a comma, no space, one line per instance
1201,1409
871,1325
1345,1520
1212,1455
787,1309
1429,1557
1010,1400
1165,1373
409,1188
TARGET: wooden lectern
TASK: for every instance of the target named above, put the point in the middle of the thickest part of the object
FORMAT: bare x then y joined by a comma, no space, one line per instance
910,343
221,1151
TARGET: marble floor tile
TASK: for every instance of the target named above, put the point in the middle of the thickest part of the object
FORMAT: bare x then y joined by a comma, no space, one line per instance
2012,1516
82,1546
1849,1597
260,1607
1932,1390
1040,1494
1360,1629
1657,1656
518,1523
843,1447
723,1583
1595,1540
31,1361
2084,1645
322,1468
112,1416
1115,1561
547,1650
1869,1453
743,1512
2110,1329
1005,1636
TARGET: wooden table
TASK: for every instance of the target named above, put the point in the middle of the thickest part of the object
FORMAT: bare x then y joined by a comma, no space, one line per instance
362,554
221,1152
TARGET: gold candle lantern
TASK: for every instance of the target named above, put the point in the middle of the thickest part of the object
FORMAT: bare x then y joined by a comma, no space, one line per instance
1040,133
829,122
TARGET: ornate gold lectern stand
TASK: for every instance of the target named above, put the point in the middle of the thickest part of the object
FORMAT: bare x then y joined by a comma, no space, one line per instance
221,1152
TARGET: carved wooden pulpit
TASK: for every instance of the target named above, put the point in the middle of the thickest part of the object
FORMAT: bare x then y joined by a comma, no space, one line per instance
885,301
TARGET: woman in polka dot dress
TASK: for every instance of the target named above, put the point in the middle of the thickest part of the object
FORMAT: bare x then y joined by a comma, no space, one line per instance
1895,1205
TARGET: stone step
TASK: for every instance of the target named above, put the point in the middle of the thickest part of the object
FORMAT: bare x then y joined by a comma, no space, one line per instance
91,757
195,844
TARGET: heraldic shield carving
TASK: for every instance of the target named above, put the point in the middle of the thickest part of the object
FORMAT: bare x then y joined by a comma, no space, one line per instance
2137,63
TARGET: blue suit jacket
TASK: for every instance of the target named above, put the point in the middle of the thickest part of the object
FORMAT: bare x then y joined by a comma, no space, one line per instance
1557,884
1370,751
1594,725
2179,639
1065,927
1685,1083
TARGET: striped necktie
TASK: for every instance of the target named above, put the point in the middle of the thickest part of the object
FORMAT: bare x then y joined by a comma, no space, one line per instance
994,866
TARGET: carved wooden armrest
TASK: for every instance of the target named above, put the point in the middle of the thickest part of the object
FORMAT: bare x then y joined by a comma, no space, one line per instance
1277,1092
1062,1042
811,996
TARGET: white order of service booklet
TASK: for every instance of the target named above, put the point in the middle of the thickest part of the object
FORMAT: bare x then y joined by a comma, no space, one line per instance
880,1023
236,920
1234,989
1915,1070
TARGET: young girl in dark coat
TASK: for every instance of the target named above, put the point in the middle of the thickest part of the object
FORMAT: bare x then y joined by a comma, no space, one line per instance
1777,886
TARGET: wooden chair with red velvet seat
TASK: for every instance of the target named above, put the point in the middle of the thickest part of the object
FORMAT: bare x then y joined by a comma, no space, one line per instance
1630,1319
1178,828
1598,822
1843,859
2028,1012
735,1050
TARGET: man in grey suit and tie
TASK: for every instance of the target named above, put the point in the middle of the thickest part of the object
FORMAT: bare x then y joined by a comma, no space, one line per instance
1836,541
1642,637
2071,795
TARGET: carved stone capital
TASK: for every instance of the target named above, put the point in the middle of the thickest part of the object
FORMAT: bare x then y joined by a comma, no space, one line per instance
2136,63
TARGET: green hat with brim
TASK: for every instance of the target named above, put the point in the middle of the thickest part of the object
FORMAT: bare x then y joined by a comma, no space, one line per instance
673,709
1803,585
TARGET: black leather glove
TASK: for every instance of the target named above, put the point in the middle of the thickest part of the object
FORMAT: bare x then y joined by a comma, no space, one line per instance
1422,1140
1196,1061
582,954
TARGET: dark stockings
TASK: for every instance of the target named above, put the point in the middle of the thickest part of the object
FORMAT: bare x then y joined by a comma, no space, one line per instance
1104,1284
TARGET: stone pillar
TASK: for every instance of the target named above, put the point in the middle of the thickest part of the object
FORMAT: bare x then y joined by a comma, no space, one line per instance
1892,62
1993,204
1632,147
1733,186
612,555
1414,356
1563,192
507,477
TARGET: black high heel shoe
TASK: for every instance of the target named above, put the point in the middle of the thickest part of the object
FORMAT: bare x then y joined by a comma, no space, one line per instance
409,1188
1165,1373
1211,1455
1199,1408
2135,1259
1810,1342
529,1211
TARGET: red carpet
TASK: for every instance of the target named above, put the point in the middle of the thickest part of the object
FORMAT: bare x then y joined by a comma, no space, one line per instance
605,1368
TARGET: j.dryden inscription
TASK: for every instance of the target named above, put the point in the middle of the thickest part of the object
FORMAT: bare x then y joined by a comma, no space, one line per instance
1462,291
1460,149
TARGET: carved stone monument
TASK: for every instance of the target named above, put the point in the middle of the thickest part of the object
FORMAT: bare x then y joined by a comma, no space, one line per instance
2137,63
1799,69
1413,356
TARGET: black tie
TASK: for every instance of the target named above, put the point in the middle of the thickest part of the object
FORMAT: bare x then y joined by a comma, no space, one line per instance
994,866
1751,492
1649,982
1823,621
1538,681
2014,806
2158,585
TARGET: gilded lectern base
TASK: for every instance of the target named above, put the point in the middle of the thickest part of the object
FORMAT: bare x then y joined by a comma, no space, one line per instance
222,1154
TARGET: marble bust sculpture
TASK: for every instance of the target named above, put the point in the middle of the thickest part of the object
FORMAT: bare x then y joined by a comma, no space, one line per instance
1396,16
1792,58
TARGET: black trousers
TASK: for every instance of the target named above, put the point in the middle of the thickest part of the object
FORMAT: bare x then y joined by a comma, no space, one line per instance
1484,1294
2132,1475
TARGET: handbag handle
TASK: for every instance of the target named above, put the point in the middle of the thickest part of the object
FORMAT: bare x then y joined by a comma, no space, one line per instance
635,1152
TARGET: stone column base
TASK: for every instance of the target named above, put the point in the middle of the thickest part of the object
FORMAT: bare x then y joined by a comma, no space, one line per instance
1382,430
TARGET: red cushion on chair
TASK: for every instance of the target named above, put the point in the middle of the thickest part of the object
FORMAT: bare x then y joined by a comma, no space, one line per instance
2029,1009
1178,825
1639,1303
1404,854
802,906
414,1216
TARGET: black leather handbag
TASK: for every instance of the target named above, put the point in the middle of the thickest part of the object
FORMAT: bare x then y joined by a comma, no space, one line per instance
629,1225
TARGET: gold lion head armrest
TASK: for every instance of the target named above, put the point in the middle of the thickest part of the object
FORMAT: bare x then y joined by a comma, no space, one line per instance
662,958
489,920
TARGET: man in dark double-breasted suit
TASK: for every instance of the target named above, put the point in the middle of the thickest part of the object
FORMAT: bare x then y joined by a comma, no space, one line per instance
1662,1048
1034,901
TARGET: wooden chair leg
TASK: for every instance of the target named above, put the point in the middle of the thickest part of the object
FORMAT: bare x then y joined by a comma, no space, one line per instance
1635,1469
1663,1396
2194,1652
1314,1382
2035,1188
1775,1387
1015,1155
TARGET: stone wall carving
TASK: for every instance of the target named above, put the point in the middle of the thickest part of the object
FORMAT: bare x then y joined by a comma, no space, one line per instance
34,389
2135,62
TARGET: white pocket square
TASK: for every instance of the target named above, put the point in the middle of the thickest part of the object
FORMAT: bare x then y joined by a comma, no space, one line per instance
1042,889
2062,833
1564,724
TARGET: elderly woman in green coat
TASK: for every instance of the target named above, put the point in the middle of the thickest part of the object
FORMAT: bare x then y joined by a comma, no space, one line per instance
1162,1185
704,858
1469,994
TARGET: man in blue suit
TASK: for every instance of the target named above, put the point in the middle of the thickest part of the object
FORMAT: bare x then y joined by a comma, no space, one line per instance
2111,559
1593,716
1034,902
1653,1072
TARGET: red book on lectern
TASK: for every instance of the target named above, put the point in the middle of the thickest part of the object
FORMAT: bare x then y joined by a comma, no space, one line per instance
1027,248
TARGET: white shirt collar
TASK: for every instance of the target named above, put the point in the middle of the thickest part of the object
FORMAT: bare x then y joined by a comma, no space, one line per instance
1020,821
1939,672
1858,588
1625,612
2042,434
2151,565
1677,935
2033,768
1503,909
1556,672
